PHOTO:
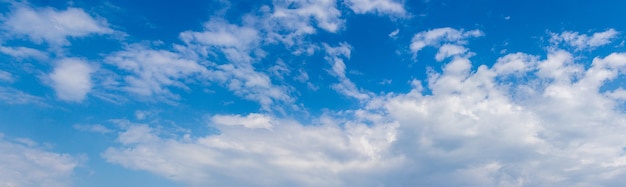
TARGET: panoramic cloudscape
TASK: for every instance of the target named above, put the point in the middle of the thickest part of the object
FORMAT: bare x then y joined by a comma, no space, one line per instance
312,93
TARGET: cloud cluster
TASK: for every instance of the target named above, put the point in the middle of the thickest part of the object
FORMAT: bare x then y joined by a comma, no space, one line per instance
28,166
524,121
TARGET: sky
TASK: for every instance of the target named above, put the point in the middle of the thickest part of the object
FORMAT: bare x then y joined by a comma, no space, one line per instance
330,93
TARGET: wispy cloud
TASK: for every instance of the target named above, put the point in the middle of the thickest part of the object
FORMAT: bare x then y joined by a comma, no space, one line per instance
24,166
583,41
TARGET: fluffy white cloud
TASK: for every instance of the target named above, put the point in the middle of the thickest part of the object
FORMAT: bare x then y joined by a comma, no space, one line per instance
525,121
439,36
287,154
449,50
582,41
71,79
27,166
252,121
51,25
390,7
300,12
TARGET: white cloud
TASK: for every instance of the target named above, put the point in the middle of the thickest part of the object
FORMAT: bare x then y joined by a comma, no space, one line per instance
550,124
394,34
71,79
252,121
235,42
335,56
582,41
297,13
23,53
439,36
449,50
51,25
97,128
14,96
290,21
390,7
241,45
514,63
290,154
143,114
27,166
150,72
6,76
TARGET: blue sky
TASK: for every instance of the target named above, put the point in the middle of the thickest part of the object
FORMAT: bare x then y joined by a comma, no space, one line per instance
312,93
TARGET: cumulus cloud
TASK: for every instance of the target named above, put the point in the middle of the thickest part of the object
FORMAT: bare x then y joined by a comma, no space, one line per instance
389,7
27,166
583,41
524,121
71,79
51,25
288,154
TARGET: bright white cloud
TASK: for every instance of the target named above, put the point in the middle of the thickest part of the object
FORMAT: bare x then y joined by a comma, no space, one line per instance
515,63
288,154
525,121
390,7
582,41
71,79
439,36
290,21
298,13
51,25
252,121
27,166
449,50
